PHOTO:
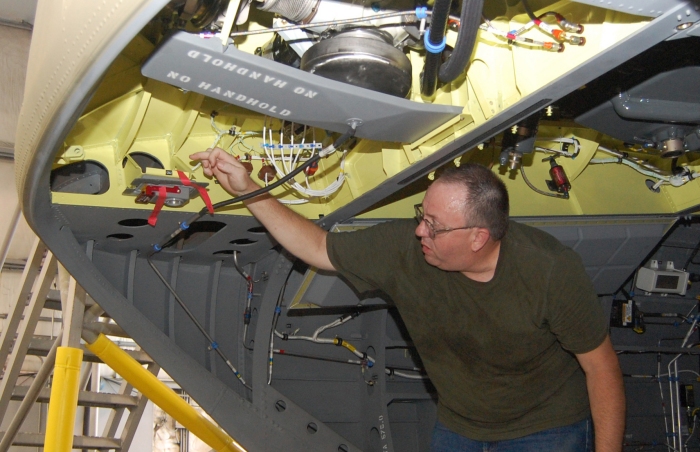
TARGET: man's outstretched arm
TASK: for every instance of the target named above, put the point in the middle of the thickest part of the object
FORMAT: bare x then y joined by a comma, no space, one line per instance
298,235
606,393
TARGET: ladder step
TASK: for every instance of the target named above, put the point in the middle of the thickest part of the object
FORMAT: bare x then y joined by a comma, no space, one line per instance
79,442
85,398
41,347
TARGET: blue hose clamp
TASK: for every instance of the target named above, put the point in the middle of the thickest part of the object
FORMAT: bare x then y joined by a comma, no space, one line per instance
184,226
433,48
157,247
421,12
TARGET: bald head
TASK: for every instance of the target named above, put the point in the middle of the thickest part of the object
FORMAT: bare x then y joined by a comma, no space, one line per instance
485,197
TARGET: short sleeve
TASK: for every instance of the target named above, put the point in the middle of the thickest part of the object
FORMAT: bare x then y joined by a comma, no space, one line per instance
574,313
368,258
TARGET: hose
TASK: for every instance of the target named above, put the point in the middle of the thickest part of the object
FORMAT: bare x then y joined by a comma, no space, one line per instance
470,19
434,45
186,224
529,184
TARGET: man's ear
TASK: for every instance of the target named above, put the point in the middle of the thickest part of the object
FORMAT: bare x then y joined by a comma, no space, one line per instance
480,237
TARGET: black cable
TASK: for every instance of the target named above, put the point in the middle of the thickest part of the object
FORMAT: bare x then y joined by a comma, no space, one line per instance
186,224
470,20
528,10
436,37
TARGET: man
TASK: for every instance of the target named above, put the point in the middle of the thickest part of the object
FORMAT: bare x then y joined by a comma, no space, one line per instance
503,315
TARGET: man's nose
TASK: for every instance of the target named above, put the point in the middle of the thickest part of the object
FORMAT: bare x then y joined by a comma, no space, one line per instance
422,229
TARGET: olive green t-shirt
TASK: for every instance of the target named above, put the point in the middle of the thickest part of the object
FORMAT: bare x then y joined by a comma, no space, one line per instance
499,353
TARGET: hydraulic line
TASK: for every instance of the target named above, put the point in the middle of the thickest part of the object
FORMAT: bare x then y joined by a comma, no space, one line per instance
213,345
434,42
325,152
249,297
470,19
391,370
553,195
407,16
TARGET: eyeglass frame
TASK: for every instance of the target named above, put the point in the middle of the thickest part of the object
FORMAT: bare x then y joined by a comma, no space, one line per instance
432,232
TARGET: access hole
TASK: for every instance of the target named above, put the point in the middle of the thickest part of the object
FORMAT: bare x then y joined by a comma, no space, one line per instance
258,230
144,160
87,178
119,236
243,242
198,233
224,252
133,222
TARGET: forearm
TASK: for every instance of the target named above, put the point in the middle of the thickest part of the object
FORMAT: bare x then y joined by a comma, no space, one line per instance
606,393
300,236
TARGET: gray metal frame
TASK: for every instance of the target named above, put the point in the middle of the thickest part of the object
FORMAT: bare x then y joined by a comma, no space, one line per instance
253,419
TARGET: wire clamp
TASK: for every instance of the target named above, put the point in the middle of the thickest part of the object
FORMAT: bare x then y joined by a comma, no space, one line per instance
278,310
434,48
157,247
184,226
214,345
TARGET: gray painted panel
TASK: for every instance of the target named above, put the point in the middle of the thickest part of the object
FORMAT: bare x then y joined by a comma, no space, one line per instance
196,64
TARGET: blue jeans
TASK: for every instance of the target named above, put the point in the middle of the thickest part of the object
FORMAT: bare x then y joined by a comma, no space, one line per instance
576,437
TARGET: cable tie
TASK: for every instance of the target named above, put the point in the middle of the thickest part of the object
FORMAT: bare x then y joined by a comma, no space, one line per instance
157,247
285,336
338,341
278,310
214,345
184,226
364,356
421,12
391,371
433,48
249,296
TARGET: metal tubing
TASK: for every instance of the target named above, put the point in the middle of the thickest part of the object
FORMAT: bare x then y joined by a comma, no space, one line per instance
64,400
30,397
155,390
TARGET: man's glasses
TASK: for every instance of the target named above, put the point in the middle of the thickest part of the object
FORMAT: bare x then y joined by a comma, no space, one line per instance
432,232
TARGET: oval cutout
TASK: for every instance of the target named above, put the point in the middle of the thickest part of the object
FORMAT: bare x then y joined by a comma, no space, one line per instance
86,178
243,242
119,236
198,233
133,222
225,252
144,160
258,230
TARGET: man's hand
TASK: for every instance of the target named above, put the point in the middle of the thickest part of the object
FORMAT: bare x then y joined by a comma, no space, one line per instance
230,173
301,237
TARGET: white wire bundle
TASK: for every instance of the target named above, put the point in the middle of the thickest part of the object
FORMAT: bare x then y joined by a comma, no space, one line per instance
285,164
572,141
487,26
321,340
